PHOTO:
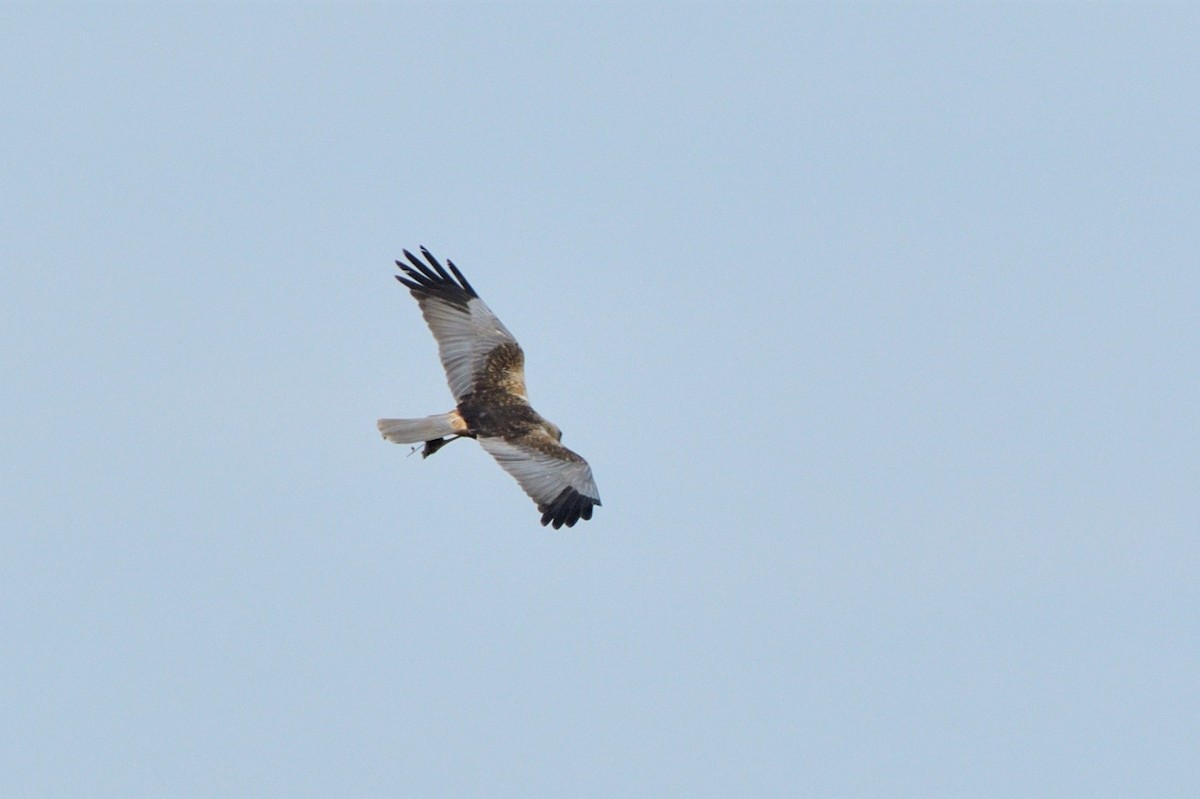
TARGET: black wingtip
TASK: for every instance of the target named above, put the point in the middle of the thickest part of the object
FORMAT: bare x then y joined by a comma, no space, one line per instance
429,278
567,508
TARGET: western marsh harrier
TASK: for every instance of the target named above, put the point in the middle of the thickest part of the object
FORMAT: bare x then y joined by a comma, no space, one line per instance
485,368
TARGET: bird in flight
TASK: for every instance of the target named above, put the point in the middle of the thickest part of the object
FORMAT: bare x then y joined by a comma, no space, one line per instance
485,368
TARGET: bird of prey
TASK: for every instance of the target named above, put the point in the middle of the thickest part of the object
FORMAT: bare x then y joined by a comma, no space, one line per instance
485,368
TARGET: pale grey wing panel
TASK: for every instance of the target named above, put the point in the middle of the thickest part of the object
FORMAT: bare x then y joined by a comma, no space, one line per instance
465,337
555,478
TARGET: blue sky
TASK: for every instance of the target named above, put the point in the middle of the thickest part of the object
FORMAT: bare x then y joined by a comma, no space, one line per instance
877,324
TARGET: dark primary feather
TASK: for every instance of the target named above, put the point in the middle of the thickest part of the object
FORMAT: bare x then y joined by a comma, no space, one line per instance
567,508
433,280
459,275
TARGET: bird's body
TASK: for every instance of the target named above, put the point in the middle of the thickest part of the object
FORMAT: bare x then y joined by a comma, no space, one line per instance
485,368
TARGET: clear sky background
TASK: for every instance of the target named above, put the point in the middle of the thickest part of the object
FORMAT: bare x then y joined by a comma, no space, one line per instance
878,325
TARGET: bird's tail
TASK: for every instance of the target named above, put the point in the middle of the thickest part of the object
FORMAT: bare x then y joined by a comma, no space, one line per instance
412,431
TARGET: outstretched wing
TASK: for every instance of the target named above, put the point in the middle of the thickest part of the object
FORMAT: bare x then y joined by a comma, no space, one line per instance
554,477
466,330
